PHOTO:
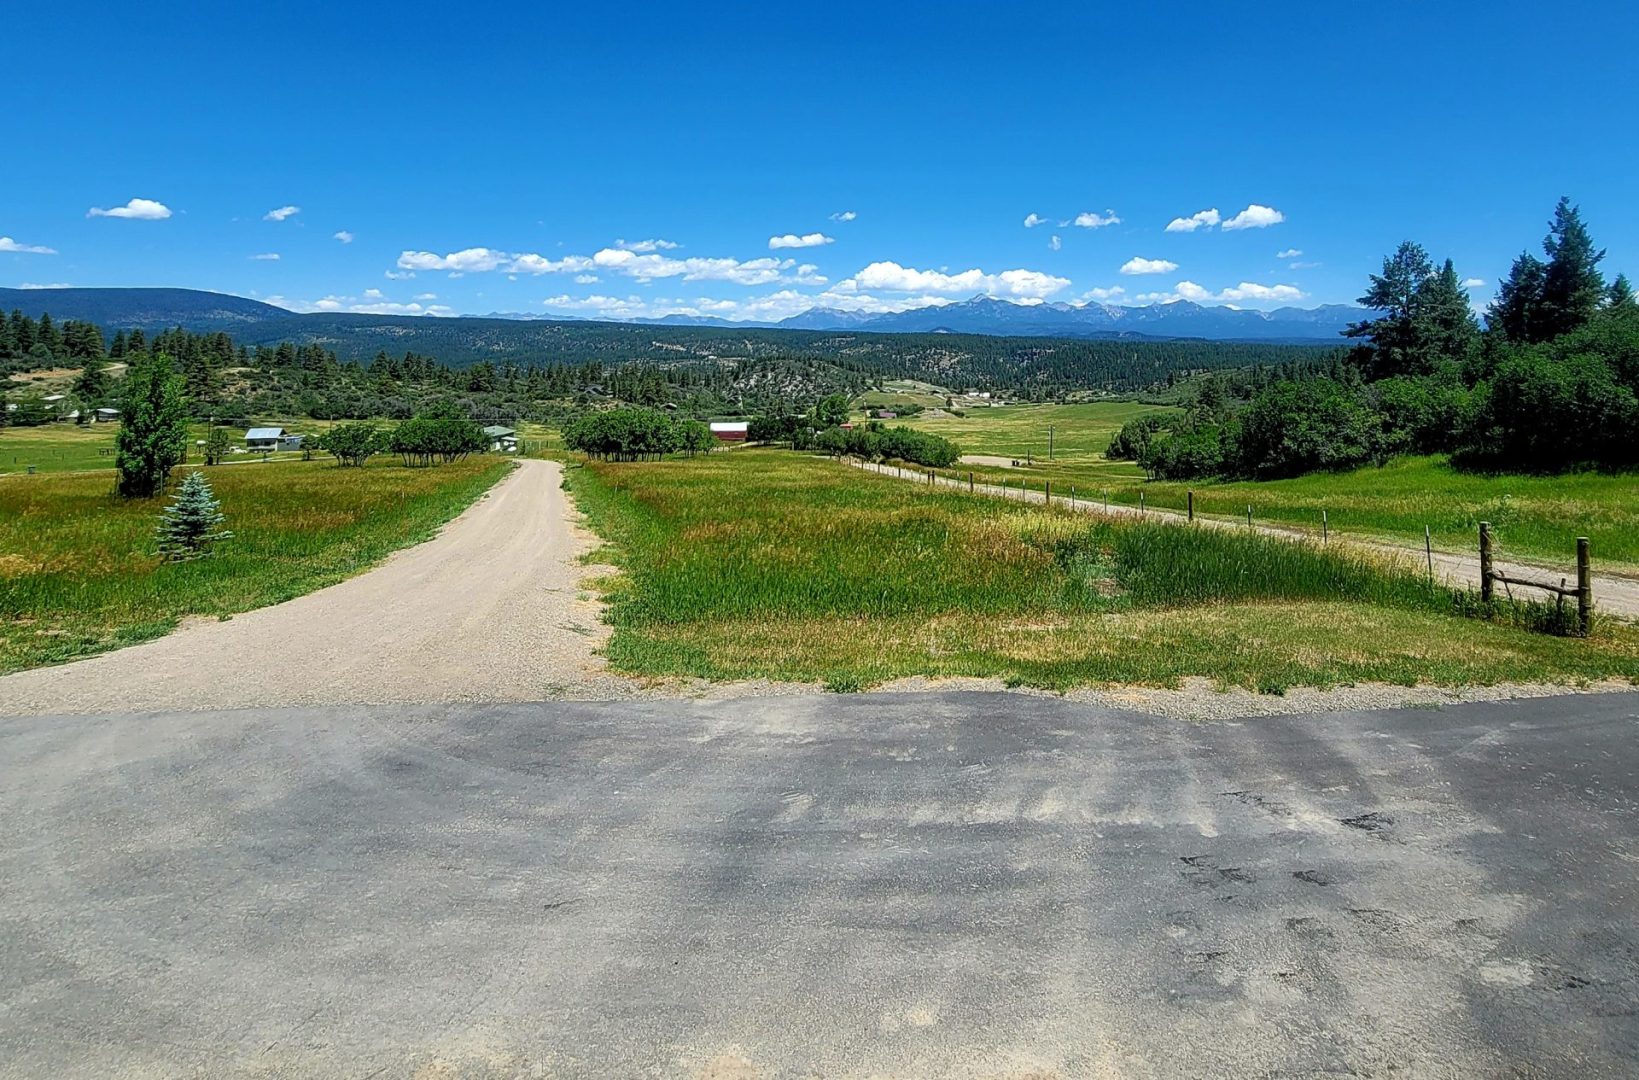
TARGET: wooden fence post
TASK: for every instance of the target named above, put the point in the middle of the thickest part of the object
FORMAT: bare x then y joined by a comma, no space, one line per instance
1485,562
1428,546
1584,586
1048,498
1189,503
1323,526
1140,502
970,483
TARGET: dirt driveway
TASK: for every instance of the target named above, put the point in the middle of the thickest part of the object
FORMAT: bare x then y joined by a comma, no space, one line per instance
490,610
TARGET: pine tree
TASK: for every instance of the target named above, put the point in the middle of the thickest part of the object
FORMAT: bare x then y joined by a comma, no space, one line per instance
1621,297
153,434
1394,348
192,523
92,384
1516,312
1572,287
1447,327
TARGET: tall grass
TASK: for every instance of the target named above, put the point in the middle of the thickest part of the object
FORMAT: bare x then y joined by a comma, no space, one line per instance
769,564
80,572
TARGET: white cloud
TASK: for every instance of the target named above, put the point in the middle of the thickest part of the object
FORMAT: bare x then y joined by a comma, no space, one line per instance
1032,219
371,303
1473,283
8,244
1202,219
642,267
54,285
1102,294
344,236
647,245
1136,265
1090,220
1255,217
791,240
281,213
769,308
399,275
1304,266
844,215
891,277
418,296
136,210
1054,243
1289,253
266,256
586,279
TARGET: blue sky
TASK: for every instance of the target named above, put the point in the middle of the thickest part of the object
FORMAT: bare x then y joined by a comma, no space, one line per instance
485,158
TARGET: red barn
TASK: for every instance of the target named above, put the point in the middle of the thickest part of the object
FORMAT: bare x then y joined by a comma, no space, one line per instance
730,431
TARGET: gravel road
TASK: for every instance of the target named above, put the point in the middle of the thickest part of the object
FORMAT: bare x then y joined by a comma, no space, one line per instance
1612,595
490,610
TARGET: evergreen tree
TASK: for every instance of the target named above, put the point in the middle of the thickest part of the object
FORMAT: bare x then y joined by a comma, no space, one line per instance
153,435
1621,295
1572,287
117,349
1448,327
1395,347
92,384
46,334
192,523
1517,311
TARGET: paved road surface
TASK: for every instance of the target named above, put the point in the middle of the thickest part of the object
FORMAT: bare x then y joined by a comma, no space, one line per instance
892,886
488,611
1612,594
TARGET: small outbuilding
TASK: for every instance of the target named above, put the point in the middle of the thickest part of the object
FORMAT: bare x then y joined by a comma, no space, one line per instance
502,440
730,430
105,416
264,440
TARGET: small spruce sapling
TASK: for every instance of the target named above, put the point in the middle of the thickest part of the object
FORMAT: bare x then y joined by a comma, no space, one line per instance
191,524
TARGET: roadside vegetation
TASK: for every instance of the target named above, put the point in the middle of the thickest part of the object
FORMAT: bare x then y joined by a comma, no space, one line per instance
767,564
81,570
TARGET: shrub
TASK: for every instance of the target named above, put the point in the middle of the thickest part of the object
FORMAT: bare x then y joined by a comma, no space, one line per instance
1134,438
352,444
623,434
425,439
1306,425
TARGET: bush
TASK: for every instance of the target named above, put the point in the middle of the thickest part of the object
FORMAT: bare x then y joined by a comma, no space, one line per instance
424,439
1302,426
1190,454
1134,438
635,434
352,444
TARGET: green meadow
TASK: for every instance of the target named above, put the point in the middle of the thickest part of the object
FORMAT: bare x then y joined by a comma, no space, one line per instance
1535,518
768,564
79,572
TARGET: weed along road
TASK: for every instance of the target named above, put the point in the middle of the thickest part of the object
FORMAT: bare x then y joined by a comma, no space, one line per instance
957,885
489,610
1612,594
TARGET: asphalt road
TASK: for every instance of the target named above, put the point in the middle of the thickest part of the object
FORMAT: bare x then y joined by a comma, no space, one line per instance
900,885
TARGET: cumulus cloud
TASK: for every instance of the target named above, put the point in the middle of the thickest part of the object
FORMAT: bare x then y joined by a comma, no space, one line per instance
1246,290
1054,243
53,285
1136,265
399,275
425,296
1289,253
371,303
344,236
791,240
1204,219
647,245
771,307
586,279
844,215
1473,283
8,244
1304,265
136,210
1031,220
1090,220
625,261
281,213
1255,217
892,277
1102,294
266,256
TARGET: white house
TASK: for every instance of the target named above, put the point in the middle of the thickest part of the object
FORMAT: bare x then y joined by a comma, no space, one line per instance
264,440
502,439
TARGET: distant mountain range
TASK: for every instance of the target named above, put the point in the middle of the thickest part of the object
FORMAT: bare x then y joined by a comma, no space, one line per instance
153,309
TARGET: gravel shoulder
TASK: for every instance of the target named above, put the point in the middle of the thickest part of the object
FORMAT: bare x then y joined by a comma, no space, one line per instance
489,610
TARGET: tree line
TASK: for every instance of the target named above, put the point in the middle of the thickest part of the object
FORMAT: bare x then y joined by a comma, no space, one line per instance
1549,384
